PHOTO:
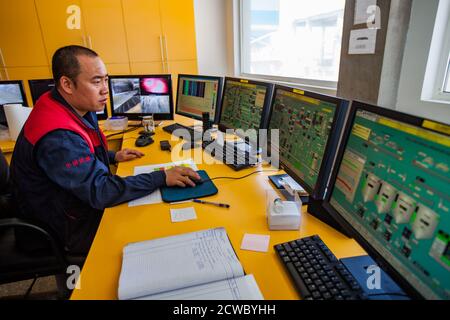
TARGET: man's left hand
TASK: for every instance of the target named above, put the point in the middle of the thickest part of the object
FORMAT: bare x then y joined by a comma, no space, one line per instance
127,155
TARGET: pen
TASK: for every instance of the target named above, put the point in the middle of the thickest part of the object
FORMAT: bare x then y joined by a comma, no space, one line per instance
223,205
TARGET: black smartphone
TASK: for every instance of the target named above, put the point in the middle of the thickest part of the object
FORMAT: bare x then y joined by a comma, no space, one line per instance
165,145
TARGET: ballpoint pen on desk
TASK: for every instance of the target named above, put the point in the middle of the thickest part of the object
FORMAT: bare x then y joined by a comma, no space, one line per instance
223,205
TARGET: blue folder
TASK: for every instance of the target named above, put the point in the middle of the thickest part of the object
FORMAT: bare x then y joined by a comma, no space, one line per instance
175,194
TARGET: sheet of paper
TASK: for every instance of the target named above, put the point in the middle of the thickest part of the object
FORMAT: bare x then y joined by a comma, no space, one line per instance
176,262
184,214
362,41
255,242
155,197
242,288
361,6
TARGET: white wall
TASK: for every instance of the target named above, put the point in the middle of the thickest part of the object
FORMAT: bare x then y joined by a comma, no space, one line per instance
414,64
211,32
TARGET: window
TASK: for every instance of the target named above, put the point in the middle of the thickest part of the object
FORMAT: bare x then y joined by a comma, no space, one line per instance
298,39
436,86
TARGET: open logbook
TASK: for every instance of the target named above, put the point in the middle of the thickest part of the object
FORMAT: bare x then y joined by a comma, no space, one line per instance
195,266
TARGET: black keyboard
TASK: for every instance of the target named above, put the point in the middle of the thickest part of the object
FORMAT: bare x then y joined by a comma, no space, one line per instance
233,155
317,274
176,128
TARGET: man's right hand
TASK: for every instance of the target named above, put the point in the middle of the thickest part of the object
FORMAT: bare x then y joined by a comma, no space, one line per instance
179,176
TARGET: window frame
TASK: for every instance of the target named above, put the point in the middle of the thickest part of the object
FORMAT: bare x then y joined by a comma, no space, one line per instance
323,85
443,68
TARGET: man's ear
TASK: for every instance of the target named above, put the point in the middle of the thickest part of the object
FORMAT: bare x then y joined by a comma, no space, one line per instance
66,84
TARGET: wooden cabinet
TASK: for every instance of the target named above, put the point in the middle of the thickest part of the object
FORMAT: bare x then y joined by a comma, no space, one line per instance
143,30
105,29
160,35
53,19
101,28
131,36
178,26
20,35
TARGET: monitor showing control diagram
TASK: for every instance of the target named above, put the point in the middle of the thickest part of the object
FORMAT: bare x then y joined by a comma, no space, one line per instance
245,105
392,189
305,121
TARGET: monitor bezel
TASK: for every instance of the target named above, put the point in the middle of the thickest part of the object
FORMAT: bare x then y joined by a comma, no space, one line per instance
366,245
218,99
32,82
22,92
22,89
318,192
267,101
138,116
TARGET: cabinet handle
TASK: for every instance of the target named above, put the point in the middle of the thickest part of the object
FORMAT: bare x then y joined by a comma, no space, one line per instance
167,54
162,53
90,42
84,41
3,64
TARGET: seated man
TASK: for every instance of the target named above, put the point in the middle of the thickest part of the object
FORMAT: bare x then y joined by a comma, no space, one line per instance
60,165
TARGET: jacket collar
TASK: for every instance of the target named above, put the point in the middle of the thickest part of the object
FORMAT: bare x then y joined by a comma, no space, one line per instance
89,119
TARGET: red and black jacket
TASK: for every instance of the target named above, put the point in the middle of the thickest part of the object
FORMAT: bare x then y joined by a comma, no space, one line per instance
60,172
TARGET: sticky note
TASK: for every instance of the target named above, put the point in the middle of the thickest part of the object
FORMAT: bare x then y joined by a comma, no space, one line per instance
255,242
185,214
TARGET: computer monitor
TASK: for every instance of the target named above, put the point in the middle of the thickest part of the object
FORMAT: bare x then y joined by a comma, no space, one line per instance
390,190
197,94
40,86
310,126
11,92
135,96
245,105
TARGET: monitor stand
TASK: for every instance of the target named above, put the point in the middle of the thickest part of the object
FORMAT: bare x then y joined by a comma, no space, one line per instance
316,209
383,288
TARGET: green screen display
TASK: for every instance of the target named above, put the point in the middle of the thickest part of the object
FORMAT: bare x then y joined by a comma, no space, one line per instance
393,187
243,104
305,125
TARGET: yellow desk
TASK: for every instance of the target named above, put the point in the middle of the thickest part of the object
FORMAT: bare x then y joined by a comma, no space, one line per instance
121,225
7,147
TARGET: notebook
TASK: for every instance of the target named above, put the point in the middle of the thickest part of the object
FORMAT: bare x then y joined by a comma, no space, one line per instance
175,194
200,265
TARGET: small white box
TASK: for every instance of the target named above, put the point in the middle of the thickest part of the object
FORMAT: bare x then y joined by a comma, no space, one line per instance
117,123
284,215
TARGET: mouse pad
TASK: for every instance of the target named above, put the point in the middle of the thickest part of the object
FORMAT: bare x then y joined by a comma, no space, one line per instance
175,194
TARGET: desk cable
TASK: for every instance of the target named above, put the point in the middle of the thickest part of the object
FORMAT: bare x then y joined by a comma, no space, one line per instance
123,132
238,178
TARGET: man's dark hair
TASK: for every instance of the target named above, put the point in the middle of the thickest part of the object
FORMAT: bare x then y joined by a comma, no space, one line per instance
65,62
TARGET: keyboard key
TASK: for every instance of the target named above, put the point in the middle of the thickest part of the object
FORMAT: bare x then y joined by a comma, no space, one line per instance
282,253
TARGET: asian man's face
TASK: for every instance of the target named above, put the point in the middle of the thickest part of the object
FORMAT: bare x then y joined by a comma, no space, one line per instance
90,92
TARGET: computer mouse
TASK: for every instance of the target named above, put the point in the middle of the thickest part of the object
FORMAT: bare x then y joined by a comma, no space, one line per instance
197,182
143,140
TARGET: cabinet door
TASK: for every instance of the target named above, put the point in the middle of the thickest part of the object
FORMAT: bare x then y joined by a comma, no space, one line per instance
60,28
178,25
181,67
143,30
105,30
20,35
147,67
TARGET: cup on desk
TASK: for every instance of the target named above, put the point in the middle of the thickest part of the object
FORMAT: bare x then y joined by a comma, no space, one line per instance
148,123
